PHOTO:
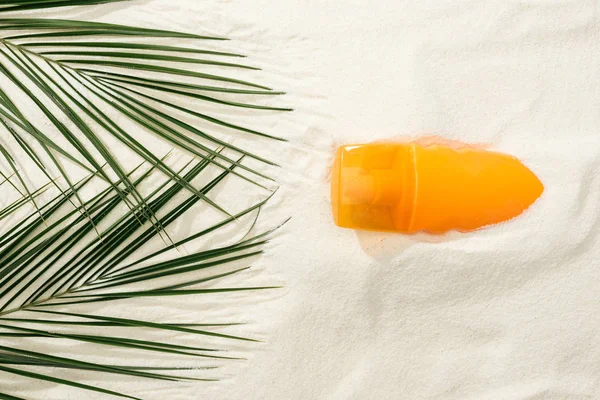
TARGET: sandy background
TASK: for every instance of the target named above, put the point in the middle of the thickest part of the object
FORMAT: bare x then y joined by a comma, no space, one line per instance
512,312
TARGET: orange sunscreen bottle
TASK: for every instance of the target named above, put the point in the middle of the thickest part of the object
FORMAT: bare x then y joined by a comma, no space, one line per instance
410,187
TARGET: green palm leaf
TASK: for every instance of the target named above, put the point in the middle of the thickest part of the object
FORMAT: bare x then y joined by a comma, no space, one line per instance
22,5
73,243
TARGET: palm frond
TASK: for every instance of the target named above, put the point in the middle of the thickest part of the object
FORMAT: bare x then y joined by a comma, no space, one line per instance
98,231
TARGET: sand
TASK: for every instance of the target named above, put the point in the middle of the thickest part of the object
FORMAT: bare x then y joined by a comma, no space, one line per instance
510,312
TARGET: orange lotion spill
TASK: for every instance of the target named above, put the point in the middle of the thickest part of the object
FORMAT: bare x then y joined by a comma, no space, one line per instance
409,187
